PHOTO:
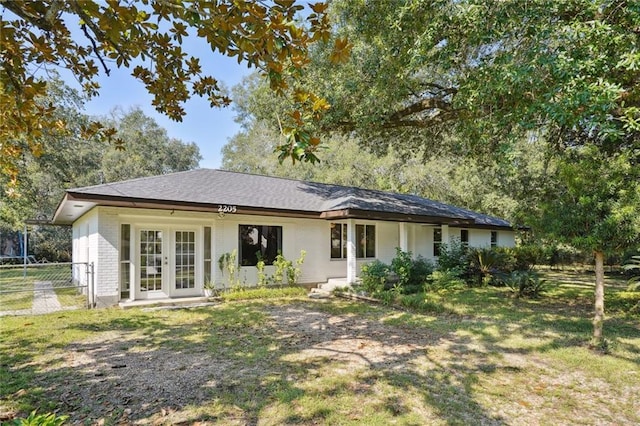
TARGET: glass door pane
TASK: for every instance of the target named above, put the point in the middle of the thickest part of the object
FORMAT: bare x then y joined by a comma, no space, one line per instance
150,260
185,260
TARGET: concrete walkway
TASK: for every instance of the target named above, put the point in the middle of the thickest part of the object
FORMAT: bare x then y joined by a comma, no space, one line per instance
44,298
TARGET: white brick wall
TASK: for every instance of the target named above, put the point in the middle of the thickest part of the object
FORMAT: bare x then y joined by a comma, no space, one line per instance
107,242
96,239
506,239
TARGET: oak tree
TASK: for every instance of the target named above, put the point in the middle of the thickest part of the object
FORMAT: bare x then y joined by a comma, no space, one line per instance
91,37
486,72
593,204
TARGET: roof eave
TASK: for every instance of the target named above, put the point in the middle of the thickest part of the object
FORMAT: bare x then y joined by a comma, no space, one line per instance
89,201
154,204
393,217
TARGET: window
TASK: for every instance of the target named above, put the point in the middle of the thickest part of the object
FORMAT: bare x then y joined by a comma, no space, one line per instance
259,242
338,240
207,254
365,241
494,238
464,237
437,241
125,261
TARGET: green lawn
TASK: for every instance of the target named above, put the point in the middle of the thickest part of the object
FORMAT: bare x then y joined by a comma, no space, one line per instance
476,356
70,297
16,300
12,279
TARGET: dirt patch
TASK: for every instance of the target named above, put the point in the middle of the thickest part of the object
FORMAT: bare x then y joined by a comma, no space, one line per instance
348,338
114,376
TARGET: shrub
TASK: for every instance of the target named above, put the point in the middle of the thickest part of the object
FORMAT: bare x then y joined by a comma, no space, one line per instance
294,270
453,256
374,277
418,302
262,293
525,283
35,419
412,273
526,257
445,280
422,270
227,261
401,265
486,264
262,277
412,301
281,265
387,298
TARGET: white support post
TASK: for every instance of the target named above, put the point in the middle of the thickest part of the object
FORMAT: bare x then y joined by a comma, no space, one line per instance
413,239
445,234
404,236
351,252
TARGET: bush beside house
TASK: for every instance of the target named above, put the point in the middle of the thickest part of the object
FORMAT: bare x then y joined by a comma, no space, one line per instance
457,267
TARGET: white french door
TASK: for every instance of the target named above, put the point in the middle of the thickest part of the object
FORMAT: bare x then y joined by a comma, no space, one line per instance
152,250
183,265
167,262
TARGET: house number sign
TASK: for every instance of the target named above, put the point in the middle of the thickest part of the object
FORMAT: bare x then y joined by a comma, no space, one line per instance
223,208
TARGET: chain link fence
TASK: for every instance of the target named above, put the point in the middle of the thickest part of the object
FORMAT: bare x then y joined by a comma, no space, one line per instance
35,289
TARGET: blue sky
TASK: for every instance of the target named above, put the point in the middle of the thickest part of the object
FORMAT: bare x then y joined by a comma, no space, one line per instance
209,128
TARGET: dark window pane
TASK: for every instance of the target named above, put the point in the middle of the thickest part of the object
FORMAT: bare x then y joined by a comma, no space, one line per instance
464,237
494,238
259,242
249,245
360,241
125,242
437,241
336,241
371,241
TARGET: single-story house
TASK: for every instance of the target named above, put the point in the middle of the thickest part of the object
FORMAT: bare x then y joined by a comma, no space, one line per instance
162,236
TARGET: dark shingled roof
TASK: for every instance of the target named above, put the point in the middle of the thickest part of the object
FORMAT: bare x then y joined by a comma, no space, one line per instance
217,187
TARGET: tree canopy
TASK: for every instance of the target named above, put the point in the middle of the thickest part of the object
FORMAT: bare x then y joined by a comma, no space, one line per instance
72,161
90,37
483,71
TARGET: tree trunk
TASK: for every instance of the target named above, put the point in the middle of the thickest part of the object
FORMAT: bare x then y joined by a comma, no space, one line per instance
598,320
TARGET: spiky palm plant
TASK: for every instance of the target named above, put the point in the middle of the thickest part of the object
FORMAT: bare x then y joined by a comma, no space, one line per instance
633,265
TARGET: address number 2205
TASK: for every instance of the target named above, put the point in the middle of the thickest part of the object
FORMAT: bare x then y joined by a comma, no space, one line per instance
227,209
